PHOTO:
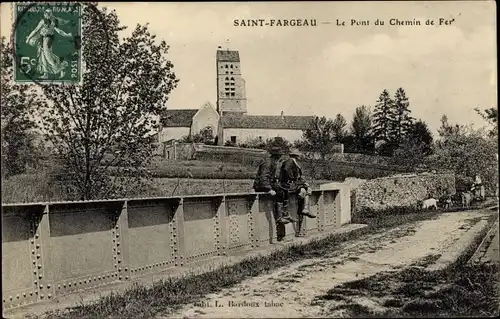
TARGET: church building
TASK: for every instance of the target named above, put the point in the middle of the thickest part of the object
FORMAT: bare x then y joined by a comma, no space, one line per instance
229,120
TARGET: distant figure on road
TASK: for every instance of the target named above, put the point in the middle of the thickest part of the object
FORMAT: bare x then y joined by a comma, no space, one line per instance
292,182
478,189
466,199
266,181
445,201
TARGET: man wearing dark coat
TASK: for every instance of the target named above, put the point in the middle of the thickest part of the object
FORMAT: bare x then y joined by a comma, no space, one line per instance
266,181
292,182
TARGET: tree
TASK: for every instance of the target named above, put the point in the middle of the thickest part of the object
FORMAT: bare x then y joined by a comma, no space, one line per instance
421,135
208,135
279,142
416,146
339,131
402,123
18,102
468,152
104,129
491,116
205,136
320,138
446,130
361,130
383,119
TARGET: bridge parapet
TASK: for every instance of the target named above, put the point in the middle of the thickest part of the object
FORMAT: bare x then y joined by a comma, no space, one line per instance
52,249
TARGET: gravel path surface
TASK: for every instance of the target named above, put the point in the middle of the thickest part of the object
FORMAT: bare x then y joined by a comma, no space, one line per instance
290,292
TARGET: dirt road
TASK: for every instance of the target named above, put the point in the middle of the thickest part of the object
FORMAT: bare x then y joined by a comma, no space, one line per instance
291,292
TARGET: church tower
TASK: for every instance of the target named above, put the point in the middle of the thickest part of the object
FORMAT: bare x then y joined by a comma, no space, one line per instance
231,95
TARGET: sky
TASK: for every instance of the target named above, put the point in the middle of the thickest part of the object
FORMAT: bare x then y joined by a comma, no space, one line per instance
329,69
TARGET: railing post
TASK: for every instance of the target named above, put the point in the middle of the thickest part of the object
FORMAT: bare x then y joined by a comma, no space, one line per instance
338,208
221,228
43,279
254,213
344,205
122,247
321,212
178,235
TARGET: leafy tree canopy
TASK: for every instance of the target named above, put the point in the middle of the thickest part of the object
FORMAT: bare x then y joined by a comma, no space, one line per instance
104,129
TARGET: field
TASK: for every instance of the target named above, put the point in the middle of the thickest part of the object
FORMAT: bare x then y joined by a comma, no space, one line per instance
39,187
335,170
199,169
188,177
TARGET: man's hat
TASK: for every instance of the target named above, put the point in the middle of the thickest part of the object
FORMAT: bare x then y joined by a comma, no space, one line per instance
295,152
275,151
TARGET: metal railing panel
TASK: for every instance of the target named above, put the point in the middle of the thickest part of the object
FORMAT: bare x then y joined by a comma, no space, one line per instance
151,229
20,256
57,248
239,221
265,226
83,245
330,202
200,228
312,225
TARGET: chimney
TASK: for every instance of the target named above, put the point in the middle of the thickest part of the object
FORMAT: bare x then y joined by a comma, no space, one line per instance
282,115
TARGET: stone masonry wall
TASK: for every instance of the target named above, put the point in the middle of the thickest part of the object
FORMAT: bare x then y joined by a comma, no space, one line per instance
401,190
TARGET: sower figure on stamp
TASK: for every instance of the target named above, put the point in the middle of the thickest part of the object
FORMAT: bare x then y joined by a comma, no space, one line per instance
42,38
292,182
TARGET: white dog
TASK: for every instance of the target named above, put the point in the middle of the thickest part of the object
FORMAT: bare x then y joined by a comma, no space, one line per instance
429,203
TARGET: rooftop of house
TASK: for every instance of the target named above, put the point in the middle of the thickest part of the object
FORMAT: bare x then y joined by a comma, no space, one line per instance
266,121
228,56
178,118
184,118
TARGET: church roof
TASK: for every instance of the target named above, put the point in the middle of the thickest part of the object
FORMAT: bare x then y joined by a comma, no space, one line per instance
184,118
228,56
266,121
178,118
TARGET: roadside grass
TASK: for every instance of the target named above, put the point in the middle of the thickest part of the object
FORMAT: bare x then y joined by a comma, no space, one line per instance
458,290
373,215
168,295
31,187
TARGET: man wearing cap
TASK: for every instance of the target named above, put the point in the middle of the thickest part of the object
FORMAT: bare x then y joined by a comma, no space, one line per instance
292,181
266,181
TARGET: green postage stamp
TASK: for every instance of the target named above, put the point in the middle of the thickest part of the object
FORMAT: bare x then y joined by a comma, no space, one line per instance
47,42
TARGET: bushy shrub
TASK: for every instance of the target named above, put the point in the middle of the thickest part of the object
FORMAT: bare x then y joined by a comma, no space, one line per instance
468,152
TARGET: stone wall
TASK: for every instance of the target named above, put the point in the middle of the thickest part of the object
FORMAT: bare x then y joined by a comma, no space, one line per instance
187,151
179,151
361,158
400,190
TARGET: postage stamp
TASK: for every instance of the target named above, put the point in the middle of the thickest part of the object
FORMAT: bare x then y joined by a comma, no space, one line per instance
47,42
